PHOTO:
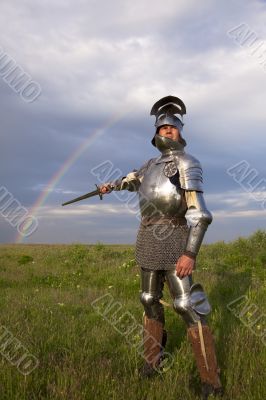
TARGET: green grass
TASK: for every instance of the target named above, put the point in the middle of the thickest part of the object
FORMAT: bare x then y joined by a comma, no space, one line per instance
46,296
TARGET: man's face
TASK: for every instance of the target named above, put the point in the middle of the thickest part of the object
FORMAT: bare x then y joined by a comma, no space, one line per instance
170,132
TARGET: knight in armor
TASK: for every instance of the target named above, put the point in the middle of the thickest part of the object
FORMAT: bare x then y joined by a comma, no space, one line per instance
174,219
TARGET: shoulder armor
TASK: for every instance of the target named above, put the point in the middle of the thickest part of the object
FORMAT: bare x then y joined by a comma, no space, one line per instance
133,180
144,167
190,173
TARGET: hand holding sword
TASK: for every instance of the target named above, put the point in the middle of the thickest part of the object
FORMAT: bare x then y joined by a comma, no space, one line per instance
106,188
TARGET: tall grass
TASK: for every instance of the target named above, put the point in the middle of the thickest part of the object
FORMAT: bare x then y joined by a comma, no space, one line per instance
46,296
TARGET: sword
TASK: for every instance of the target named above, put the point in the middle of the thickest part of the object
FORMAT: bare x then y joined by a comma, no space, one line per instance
86,196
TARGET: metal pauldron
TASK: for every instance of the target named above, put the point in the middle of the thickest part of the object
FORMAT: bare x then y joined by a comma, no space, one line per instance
190,173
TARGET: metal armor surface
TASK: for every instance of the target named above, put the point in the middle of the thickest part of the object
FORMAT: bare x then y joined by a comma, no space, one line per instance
189,300
199,300
190,173
198,218
161,191
165,110
152,283
169,104
160,195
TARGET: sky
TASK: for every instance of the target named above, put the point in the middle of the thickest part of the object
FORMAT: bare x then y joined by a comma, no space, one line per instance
93,71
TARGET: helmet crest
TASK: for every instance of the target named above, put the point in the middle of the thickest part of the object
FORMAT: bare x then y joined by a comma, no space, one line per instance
165,110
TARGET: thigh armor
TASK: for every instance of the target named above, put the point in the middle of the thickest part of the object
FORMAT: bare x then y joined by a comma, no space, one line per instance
189,300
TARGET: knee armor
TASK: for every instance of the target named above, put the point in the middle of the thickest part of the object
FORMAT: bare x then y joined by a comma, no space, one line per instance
148,299
193,305
152,306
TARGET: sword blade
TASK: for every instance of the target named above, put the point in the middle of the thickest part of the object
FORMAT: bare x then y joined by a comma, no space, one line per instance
85,196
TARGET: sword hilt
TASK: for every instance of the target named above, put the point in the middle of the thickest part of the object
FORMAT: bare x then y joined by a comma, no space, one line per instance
88,195
109,191
99,191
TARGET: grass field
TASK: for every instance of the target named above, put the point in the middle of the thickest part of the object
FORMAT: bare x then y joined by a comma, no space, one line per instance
46,296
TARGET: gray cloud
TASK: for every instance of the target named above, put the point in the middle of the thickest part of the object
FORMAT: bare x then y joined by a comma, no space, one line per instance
95,67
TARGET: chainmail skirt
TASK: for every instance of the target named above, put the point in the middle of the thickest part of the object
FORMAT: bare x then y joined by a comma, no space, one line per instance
158,247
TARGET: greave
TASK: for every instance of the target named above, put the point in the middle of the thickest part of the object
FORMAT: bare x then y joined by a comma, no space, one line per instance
205,355
152,338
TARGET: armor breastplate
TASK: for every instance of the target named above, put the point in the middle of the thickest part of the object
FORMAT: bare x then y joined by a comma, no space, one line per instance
160,195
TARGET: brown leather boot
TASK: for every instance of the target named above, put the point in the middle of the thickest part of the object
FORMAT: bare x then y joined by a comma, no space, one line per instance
206,363
152,340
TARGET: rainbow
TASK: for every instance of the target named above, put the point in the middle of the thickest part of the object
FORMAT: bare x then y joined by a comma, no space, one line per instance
68,163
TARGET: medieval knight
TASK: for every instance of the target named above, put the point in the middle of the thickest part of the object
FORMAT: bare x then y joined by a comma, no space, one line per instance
170,195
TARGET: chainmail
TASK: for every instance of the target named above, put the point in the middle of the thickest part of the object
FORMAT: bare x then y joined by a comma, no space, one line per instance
158,247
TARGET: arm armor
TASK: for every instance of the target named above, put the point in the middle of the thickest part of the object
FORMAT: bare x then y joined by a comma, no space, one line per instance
198,218
133,180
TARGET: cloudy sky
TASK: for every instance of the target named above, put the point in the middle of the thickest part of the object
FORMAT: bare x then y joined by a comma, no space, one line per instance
96,68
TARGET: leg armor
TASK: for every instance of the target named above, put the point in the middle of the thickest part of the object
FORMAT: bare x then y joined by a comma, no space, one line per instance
189,300
206,360
152,283
154,336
